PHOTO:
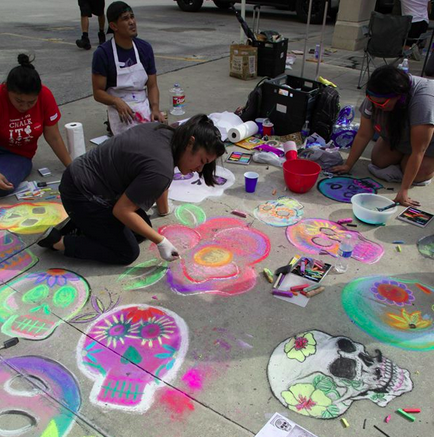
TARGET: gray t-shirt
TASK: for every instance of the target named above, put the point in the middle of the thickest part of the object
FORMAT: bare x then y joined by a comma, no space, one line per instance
420,111
138,162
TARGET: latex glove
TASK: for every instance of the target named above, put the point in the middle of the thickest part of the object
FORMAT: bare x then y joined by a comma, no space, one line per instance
167,250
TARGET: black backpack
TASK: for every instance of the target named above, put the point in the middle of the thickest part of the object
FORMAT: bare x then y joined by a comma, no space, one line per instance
252,108
325,112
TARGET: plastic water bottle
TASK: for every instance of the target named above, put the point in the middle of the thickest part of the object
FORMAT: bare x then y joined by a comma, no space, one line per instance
305,129
177,100
344,254
317,49
404,65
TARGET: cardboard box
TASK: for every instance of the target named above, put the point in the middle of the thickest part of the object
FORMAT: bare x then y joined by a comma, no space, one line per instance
243,61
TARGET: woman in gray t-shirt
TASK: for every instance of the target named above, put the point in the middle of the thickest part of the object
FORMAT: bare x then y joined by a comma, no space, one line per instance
107,190
400,108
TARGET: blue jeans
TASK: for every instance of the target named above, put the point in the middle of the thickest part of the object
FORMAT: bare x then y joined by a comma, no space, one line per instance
14,167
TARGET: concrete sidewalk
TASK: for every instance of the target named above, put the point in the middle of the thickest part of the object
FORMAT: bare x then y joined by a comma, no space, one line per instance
220,387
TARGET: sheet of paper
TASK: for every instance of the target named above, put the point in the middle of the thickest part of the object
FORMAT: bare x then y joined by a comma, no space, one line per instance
280,426
288,282
99,140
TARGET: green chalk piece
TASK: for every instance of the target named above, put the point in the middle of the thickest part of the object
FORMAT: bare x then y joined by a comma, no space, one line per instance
406,415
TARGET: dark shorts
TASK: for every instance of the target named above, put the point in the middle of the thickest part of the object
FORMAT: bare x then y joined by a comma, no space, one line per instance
91,7
416,31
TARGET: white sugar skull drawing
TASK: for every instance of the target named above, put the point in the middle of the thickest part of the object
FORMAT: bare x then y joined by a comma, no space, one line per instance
318,375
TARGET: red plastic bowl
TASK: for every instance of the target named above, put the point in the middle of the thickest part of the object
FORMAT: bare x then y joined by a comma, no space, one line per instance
300,174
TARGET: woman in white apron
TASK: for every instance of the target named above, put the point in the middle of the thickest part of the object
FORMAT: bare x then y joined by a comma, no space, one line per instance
131,88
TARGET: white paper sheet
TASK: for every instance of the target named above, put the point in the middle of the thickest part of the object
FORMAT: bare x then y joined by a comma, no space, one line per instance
280,426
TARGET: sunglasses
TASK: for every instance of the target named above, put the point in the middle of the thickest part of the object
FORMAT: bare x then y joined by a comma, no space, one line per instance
379,105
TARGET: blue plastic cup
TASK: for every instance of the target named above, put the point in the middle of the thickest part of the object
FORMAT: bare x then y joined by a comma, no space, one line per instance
259,122
251,179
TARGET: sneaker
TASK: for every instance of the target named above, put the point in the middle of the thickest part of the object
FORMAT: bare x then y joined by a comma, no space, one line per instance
83,43
50,237
422,183
67,227
101,37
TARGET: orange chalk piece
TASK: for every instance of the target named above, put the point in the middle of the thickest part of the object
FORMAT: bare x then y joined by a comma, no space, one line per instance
315,292
274,192
411,410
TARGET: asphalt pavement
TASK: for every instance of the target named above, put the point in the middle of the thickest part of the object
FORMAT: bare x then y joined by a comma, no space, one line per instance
85,378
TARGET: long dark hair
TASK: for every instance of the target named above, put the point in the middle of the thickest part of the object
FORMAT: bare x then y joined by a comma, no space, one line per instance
24,79
206,135
389,80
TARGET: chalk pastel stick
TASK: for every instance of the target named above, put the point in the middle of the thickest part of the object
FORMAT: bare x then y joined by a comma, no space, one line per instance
345,422
406,415
352,225
411,410
346,220
387,419
315,292
299,287
282,293
269,275
239,213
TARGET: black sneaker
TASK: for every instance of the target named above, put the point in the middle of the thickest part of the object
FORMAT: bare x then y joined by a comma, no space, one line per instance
101,37
50,237
83,43
67,227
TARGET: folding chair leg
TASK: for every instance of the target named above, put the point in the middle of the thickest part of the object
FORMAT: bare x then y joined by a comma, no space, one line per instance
362,74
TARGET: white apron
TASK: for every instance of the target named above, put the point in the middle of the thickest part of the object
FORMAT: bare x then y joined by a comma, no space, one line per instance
131,88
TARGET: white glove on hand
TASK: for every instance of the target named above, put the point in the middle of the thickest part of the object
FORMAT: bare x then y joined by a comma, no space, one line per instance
167,250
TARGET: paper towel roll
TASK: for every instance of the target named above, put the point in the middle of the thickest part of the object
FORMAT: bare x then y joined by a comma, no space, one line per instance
75,139
242,131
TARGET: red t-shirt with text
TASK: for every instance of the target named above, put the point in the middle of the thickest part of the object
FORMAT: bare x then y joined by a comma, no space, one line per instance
20,131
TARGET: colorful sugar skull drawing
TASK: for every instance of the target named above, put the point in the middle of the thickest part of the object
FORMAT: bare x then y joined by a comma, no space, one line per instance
128,351
31,412
31,218
343,188
192,189
14,257
319,375
281,212
320,236
216,257
395,311
33,306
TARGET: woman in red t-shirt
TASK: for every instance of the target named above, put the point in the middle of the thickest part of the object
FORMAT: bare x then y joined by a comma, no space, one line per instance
27,110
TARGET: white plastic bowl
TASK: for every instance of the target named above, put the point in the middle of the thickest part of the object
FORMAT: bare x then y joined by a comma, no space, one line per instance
365,208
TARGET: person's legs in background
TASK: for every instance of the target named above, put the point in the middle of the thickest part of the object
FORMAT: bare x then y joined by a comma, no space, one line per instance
15,168
86,12
98,10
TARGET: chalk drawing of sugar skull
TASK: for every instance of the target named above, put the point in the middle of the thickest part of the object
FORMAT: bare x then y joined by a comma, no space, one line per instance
218,256
343,188
14,257
31,218
393,310
36,304
281,212
319,375
25,407
320,236
128,352
192,188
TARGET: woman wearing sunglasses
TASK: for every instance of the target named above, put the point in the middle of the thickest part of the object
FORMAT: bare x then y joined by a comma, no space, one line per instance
400,108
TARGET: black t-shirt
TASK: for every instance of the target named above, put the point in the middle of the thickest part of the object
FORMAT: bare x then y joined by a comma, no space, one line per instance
138,162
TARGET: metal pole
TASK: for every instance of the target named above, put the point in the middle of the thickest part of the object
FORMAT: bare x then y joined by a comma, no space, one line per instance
322,39
305,38
243,14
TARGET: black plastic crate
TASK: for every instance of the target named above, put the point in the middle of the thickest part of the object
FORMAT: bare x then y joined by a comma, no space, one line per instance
271,57
288,102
